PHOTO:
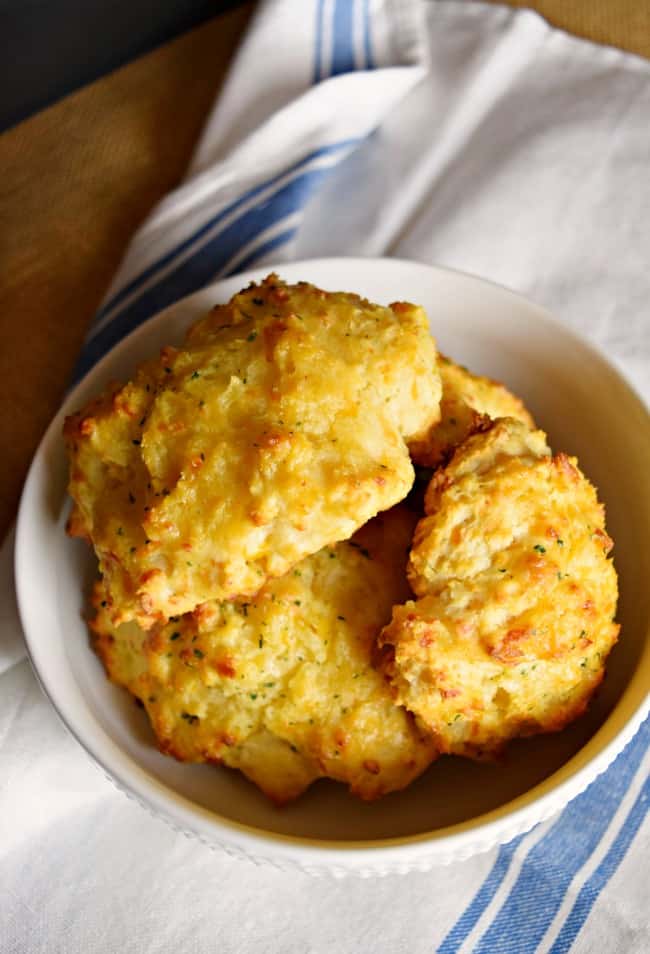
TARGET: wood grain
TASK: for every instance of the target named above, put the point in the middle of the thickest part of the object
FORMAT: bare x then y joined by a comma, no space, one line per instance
621,23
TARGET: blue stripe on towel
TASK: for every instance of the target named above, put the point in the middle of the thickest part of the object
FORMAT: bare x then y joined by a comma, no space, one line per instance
552,863
594,885
200,268
318,48
168,257
367,38
263,249
482,899
528,911
343,38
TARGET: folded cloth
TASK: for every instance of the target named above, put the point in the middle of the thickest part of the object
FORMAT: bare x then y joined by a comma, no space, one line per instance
304,92
460,133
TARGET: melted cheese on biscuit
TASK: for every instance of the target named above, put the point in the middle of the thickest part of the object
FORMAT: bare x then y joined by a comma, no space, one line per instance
281,686
515,615
280,427
467,399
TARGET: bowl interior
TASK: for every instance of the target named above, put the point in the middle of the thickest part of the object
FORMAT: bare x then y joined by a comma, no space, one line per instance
580,401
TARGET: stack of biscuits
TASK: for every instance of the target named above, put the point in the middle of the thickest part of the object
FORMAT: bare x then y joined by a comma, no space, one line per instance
275,591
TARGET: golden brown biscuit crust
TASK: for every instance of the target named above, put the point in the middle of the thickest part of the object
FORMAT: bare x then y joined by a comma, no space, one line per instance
282,686
468,400
278,428
515,616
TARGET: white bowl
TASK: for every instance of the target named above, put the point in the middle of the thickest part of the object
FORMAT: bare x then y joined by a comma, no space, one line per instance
457,808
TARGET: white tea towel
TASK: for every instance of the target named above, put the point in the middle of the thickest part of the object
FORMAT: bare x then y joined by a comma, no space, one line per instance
457,133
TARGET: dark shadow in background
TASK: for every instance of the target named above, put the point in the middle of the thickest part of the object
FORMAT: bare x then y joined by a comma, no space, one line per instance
49,48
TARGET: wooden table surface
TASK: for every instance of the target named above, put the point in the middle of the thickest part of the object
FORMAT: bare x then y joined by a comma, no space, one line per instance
79,177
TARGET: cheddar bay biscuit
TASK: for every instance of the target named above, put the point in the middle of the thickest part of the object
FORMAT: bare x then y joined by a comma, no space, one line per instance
467,400
281,686
279,427
514,616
